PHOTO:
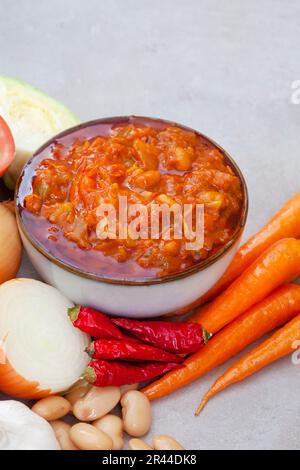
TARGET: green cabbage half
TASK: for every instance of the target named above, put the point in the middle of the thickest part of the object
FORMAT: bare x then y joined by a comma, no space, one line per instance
33,118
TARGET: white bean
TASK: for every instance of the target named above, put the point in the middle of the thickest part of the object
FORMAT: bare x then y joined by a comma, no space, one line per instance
113,426
96,403
136,412
126,388
165,442
62,433
138,444
77,392
52,408
87,437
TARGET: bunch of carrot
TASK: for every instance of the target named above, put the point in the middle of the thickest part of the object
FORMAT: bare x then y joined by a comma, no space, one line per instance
251,299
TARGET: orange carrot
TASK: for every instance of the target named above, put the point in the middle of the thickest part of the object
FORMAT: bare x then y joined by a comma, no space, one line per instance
286,223
273,312
277,265
279,345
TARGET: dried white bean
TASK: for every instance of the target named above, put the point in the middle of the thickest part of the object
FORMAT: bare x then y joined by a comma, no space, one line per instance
113,426
96,403
87,437
62,433
138,444
78,392
165,442
136,412
126,388
52,408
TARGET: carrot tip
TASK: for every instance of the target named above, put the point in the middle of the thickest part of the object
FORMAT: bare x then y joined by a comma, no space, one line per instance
201,406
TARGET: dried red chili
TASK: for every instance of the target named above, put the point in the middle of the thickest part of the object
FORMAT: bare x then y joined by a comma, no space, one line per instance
94,323
104,373
181,338
107,349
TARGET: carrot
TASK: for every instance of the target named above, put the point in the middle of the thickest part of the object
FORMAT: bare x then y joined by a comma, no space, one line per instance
278,264
286,223
274,311
279,345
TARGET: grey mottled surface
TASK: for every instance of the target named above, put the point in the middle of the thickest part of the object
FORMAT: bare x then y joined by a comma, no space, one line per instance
225,68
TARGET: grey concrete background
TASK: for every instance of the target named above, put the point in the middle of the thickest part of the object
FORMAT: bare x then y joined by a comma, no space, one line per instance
223,67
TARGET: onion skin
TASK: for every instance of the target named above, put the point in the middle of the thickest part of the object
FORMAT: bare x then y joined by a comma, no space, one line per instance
10,245
15,385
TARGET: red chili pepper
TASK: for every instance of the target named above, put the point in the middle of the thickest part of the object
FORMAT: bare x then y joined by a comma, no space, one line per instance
181,338
110,349
103,373
94,323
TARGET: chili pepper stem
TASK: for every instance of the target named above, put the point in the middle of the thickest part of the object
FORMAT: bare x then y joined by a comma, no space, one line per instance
73,313
206,335
90,375
90,349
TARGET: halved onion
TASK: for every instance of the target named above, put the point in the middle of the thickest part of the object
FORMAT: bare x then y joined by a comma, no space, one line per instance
41,352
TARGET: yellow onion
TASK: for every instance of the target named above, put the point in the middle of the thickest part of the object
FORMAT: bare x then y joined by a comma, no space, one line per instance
10,245
41,353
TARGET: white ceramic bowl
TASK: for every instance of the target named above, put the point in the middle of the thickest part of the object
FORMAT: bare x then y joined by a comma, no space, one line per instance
139,299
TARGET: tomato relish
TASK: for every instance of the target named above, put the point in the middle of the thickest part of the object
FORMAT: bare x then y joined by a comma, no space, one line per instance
148,165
